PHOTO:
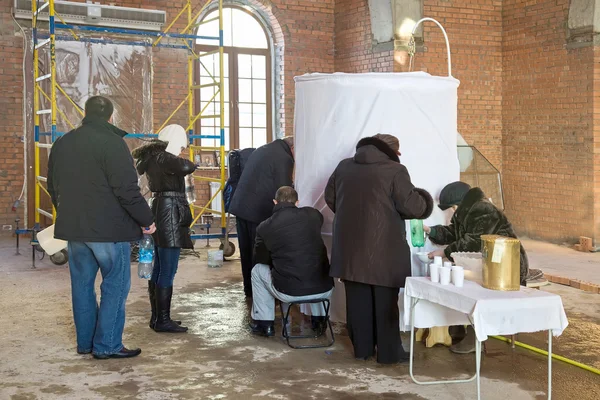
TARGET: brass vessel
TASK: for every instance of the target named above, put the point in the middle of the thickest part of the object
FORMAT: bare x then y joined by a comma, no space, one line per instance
501,262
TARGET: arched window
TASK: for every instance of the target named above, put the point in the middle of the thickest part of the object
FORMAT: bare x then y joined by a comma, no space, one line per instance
247,71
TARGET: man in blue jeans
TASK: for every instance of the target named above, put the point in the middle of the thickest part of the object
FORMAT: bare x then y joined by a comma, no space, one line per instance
99,211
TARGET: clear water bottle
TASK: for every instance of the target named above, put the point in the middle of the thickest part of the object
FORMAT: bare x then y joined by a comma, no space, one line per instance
417,234
145,257
190,189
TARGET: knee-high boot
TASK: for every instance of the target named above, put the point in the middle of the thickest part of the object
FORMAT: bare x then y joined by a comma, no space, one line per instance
163,312
152,296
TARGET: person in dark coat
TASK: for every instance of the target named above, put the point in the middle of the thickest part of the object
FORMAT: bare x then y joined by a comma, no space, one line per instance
372,195
99,211
166,171
269,168
474,216
291,262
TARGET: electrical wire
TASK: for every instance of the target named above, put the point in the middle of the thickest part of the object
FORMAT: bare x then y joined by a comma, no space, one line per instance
25,157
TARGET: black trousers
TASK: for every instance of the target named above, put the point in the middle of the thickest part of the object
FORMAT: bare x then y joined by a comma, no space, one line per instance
373,320
246,231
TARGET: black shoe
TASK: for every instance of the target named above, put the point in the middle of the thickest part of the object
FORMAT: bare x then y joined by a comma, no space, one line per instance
319,324
263,328
124,353
404,357
83,352
163,312
152,296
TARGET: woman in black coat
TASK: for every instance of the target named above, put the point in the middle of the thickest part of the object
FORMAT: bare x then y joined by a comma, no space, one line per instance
474,216
165,173
372,195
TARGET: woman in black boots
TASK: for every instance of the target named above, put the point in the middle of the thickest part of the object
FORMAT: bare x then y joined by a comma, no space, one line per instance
165,172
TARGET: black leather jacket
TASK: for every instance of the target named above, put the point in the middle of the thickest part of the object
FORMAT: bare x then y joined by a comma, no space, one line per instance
166,173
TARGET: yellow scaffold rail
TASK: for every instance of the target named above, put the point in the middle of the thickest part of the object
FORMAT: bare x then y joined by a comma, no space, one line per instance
46,109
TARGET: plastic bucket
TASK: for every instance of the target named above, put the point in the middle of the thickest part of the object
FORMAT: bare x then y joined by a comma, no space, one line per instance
215,258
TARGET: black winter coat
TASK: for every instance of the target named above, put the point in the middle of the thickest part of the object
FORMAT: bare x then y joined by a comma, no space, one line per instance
290,241
372,196
94,187
166,173
474,217
269,168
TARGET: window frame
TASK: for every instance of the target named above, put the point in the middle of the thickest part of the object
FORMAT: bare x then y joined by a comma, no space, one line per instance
232,54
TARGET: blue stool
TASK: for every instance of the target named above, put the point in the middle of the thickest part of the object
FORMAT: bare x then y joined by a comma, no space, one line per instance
287,335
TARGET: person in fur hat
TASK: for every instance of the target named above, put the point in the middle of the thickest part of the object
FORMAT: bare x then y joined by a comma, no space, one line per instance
166,171
474,216
372,196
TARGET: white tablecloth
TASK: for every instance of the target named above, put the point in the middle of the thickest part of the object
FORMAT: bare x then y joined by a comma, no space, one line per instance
492,312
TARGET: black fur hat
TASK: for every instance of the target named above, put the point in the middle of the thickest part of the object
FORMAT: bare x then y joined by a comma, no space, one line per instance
453,194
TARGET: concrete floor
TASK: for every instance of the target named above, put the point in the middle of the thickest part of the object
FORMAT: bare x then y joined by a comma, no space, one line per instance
218,359
563,261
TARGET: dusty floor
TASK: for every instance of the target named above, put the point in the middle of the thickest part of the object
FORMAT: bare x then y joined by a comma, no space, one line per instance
218,359
563,261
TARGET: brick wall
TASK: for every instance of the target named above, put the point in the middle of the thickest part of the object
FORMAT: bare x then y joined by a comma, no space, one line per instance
525,100
353,40
548,123
475,31
304,26
474,28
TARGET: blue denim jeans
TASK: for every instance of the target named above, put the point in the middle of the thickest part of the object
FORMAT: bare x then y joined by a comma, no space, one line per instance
99,329
166,261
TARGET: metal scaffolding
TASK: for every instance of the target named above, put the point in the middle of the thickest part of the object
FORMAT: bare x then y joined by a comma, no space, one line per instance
187,38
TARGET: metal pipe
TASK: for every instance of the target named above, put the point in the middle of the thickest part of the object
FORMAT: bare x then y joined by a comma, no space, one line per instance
419,22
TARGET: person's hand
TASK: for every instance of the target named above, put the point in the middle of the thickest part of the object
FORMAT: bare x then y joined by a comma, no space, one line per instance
150,230
437,253
426,229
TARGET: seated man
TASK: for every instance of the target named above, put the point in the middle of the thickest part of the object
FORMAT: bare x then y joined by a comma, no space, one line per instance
291,262
474,216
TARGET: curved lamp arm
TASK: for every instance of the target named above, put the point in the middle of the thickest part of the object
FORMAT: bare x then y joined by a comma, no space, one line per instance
419,22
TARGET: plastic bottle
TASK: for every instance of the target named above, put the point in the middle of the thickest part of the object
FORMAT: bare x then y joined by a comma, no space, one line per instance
146,257
190,189
417,234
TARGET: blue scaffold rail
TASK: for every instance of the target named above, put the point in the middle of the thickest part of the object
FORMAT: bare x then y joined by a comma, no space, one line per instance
124,31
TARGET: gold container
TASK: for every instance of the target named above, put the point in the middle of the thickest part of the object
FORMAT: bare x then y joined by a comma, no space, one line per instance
501,262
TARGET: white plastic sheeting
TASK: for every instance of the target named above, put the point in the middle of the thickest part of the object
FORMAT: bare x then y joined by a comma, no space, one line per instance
334,111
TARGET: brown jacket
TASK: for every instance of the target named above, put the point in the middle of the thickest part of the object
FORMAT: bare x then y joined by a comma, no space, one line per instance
372,196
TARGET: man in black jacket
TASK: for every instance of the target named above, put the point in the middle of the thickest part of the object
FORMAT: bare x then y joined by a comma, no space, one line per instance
269,168
100,210
291,262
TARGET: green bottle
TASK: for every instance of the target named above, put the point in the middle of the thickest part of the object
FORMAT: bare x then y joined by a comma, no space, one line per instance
417,234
